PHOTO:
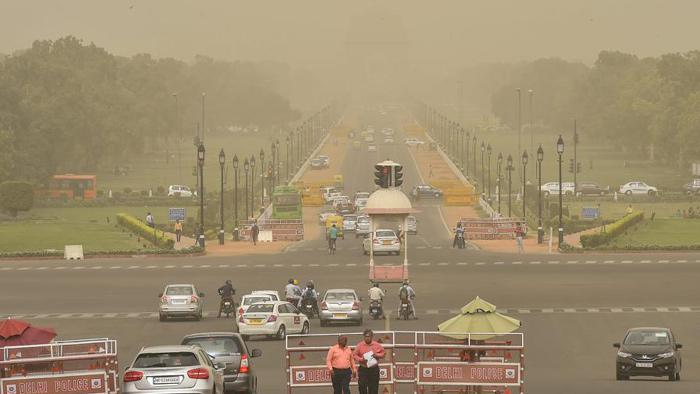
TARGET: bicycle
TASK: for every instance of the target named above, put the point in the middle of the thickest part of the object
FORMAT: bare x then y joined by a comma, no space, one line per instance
331,245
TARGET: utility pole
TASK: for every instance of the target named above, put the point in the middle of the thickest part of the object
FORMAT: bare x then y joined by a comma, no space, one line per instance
575,158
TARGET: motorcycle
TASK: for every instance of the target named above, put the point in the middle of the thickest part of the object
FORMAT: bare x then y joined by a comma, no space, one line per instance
308,307
375,310
460,240
405,310
229,307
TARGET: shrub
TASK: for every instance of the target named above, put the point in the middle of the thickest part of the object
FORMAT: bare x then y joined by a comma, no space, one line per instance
133,224
16,196
612,230
161,190
128,190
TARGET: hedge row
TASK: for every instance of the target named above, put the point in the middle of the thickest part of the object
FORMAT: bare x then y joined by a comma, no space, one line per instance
43,253
612,230
157,237
109,202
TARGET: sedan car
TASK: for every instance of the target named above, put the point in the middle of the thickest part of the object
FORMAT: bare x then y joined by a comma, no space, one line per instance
179,191
361,195
552,188
326,160
317,164
638,188
340,305
273,319
230,349
388,140
383,241
349,222
362,227
181,300
591,189
172,370
411,224
250,299
648,351
425,191
413,141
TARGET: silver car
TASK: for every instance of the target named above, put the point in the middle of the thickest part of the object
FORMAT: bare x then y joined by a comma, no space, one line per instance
349,222
173,370
341,305
180,300
362,226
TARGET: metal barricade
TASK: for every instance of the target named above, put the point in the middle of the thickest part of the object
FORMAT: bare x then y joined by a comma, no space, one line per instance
496,228
282,229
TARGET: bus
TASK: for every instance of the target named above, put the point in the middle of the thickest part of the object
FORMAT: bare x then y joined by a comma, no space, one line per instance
286,203
73,187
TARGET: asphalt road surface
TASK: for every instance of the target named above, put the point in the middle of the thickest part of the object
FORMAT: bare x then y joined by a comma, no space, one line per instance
573,307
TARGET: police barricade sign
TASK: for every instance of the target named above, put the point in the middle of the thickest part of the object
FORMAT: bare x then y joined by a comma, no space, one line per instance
319,375
405,372
472,374
77,383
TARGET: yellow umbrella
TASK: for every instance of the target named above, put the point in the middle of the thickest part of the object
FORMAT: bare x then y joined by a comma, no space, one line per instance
478,316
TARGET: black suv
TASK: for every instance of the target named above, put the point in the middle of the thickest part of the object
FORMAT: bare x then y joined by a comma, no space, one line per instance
591,189
231,349
425,191
648,351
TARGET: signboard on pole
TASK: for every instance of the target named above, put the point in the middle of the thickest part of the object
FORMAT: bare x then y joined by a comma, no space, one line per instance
472,374
590,213
319,375
176,214
77,383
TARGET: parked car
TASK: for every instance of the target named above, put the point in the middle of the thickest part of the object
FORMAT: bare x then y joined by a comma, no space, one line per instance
412,141
317,164
425,191
692,187
552,188
648,351
362,226
411,224
250,299
340,305
181,300
179,191
383,241
273,319
591,189
638,188
173,369
349,222
230,349
326,160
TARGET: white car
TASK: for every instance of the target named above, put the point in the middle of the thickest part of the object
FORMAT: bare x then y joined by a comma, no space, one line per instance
361,195
362,226
638,188
332,196
383,241
360,204
272,293
552,188
371,148
388,140
413,141
250,299
325,214
273,319
326,160
179,191
369,138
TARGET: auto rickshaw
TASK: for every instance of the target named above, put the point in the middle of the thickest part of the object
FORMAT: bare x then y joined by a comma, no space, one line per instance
338,221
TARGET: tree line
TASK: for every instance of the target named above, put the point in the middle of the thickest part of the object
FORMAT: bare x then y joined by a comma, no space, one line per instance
68,106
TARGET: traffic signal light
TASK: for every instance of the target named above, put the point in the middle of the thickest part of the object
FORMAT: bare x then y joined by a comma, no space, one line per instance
578,167
398,175
571,166
381,175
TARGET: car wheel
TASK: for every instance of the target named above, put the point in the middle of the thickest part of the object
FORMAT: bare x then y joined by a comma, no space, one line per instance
619,376
305,329
282,332
628,193
359,322
162,317
323,323
199,316
651,193
546,194
678,376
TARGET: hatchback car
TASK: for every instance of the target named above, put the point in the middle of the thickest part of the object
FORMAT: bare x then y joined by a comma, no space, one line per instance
648,351
341,305
383,241
638,188
273,319
362,227
181,300
173,370
230,349
426,191
361,195
250,299
179,191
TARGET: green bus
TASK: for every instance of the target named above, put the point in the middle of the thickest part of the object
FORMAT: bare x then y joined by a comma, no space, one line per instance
286,203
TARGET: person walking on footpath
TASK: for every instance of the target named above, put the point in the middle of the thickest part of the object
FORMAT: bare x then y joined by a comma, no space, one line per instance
150,221
519,233
341,365
368,353
178,229
430,171
254,231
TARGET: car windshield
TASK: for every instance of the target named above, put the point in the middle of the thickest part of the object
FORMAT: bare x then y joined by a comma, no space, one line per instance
261,308
350,218
647,337
256,299
179,291
215,345
385,233
363,219
165,360
340,296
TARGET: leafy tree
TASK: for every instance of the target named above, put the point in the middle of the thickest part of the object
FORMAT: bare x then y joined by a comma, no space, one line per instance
16,196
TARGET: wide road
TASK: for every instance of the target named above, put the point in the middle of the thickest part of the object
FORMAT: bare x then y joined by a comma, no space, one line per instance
573,307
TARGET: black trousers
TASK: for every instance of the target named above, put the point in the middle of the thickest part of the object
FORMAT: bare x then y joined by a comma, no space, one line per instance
341,380
368,380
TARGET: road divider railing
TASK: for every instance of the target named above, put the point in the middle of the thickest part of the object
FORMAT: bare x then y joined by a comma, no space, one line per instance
281,229
491,229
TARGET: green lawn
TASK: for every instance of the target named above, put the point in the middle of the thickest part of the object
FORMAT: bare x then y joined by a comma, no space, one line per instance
616,210
662,232
52,228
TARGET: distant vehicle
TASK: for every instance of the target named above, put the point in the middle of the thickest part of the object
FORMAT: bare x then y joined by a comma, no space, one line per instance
362,226
273,319
371,148
360,204
330,197
179,191
340,305
648,351
344,208
388,131
317,164
411,224
361,195
425,191
181,300
272,293
173,369
229,348
349,222
388,140
325,213
326,192
326,160
692,187
250,299
383,241
286,203
369,138
591,189
412,141
638,188
73,187
552,188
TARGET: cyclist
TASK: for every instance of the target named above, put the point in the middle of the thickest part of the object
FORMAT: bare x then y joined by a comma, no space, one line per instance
332,238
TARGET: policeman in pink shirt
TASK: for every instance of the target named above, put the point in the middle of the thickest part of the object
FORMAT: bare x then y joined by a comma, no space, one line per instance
368,353
340,363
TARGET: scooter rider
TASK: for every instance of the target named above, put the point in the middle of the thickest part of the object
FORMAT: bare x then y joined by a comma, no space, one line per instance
310,293
459,236
226,292
407,294
375,293
292,292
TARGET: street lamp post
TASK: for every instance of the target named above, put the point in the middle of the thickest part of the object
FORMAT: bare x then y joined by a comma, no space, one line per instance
498,170
525,158
483,171
560,151
235,191
474,154
246,167
286,167
488,161
252,185
467,154
520,119
222,163
540,230
200,163
273,148
279,164
298,163
204,95
509,168
262,177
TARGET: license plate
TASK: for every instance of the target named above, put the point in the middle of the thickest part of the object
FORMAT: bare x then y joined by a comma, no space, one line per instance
340,315
179,301
255,321
166,380
644,365
386,242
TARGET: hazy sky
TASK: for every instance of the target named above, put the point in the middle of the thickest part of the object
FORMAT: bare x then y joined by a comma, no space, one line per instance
439,33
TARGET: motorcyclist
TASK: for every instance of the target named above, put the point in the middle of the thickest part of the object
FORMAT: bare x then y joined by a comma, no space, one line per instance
459,235
332,237
310,293
407,295
292,292
376,294
226,292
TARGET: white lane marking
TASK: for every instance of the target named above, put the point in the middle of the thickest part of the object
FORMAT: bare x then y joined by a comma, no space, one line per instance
464,263
681,261
591,261
75,268
645,261
133,267
350,265
498,263
296,265
45,268
115,267
609,262
241,265
278,265
516,262
224,266
99,267
535,262
205,266
424,264
553,262
6,268
333,265
150,267
572,262
626,262
663,261
420,247
313,265
169,266
443,264
480,263
259,266
28,268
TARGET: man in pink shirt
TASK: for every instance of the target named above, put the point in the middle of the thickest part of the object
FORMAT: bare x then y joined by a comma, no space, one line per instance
368,353
341,365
